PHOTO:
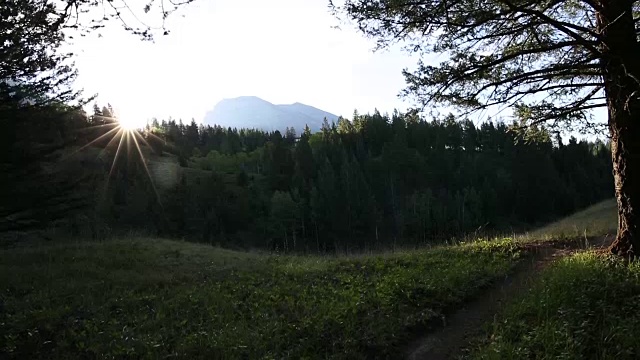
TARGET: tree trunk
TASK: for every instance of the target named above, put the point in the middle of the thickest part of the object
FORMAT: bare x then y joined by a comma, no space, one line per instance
317,237
621,67
293,232
286,245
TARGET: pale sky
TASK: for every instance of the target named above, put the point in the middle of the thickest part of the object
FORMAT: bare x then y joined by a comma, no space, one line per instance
283,51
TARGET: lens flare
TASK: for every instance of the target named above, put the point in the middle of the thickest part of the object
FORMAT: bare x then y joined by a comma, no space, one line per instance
128,135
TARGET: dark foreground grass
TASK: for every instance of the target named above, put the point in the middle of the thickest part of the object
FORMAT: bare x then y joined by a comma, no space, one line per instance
152,298
586,306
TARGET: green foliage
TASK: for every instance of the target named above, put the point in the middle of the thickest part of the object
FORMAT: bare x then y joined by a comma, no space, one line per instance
284,216
228,163
584,307
153,298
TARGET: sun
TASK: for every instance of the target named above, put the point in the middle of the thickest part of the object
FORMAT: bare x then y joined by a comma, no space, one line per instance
128,123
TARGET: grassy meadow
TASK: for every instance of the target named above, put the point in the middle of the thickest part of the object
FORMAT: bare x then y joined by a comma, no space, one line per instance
155,298
585,306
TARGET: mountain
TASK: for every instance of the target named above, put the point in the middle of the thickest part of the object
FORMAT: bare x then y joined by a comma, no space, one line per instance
253,112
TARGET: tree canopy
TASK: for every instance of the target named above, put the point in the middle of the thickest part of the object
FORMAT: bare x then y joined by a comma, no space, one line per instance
144,19
32,67
541,57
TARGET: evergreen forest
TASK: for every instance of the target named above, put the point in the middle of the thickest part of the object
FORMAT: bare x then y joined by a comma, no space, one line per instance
373,182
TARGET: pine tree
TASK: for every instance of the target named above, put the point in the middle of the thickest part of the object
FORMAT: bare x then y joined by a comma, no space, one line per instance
563,59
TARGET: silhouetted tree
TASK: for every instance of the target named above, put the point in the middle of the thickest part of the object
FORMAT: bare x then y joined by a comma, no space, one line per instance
552,61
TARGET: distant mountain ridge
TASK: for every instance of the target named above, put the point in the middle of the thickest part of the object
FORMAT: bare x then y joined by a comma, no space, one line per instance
253,112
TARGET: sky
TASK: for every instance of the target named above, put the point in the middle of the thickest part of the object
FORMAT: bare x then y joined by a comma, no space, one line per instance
283,51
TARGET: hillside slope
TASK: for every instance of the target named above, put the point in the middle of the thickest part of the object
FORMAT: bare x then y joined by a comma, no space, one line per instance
595,221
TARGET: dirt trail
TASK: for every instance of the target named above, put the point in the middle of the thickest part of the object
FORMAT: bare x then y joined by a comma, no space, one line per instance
460,327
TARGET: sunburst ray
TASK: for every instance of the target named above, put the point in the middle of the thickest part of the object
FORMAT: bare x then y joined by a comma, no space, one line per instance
126,138
114,130
146,169
115,159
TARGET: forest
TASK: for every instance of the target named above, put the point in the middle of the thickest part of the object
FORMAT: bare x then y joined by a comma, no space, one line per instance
373,182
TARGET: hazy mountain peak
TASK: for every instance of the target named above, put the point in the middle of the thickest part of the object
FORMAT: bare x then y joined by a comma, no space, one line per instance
254,112
244,98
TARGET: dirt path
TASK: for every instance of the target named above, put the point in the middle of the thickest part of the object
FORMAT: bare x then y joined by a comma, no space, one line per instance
467,322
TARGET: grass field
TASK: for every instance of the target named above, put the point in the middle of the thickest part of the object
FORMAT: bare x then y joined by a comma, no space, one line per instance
157,298
586,306
154,298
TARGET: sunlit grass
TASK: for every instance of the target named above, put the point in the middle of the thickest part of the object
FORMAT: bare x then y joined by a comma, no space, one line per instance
586,306
155,298
595,221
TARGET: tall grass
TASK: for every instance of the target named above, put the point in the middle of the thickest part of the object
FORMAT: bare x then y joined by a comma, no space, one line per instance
586,306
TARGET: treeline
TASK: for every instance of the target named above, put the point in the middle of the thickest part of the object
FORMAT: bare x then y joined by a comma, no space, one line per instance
374,181
36,187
